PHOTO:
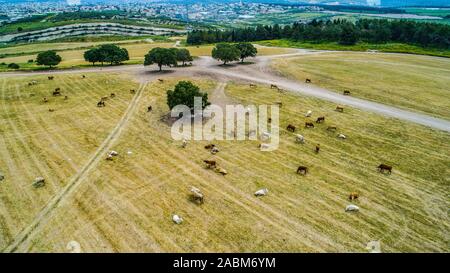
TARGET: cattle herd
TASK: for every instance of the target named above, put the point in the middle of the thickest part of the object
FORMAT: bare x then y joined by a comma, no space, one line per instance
196,195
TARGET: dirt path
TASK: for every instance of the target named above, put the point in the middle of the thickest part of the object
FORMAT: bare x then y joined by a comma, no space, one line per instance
58,199
259,72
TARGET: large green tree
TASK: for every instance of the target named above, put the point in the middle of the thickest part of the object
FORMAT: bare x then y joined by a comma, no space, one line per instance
107,53
183,56
49,58
184,94
161,56
226,53
247,50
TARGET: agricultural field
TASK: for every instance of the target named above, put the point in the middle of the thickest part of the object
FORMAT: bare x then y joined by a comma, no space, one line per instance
137,51
126,205
417,83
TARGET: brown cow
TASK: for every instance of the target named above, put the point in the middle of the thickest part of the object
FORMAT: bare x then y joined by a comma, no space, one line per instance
56,93
317,148
346,93
149,109
51,110
112,95
161,80
332,128
384,167
309,125
291,128
320,119
302,170
353,196
101,104
50,78
132,91
210,164
273,86
308,80
340,109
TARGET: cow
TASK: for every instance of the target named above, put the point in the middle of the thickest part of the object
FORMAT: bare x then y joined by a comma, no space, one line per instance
56,93
340,109
352,208
132,91
39,182
51,110
320,119
291,128
264,146
214,150
273,86
253,85
210,146
309,125
83,76
210,164
57,89
149,109
346,93
353,196
308,114
50,78
317,148
184,143
197,195
101,104
66,97
342,136
177,219
332,128
105,98
384,167
261,192
300,139
161,80
32,83
112,95
45,100
308,81
269,120
302,170
265,136
221,171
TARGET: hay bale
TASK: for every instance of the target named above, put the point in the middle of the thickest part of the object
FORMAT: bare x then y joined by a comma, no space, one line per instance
39,182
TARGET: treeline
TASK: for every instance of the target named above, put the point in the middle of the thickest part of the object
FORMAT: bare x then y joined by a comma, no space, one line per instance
341,31
69,16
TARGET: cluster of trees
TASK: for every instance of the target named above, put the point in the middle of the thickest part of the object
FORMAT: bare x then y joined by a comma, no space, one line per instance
233,52
167,57
341,31
108,53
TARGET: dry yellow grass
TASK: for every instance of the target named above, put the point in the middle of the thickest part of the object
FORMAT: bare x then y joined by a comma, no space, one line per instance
127,205
137,52
414,82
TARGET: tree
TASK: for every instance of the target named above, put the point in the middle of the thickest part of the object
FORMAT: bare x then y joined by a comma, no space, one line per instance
49,58
226,53
183,55
94,55
19,29
349,34
114,54
247,50
184,94
161,56
13,66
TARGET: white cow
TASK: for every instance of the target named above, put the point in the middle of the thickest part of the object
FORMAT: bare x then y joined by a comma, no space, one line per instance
352,208
342,136
214,150
177,219
262,192
184,143
265,136
113,153
264,147
299,139
308,114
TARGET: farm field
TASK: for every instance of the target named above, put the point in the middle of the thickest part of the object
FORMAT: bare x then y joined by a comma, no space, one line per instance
417,83
126,205
137,51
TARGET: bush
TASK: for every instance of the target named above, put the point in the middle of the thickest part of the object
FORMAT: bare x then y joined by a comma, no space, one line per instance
13,66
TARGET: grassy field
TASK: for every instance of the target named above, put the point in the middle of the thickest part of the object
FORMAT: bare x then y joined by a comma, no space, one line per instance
417,83
137,51
388,47
127,204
